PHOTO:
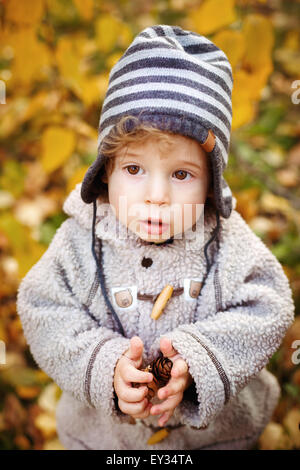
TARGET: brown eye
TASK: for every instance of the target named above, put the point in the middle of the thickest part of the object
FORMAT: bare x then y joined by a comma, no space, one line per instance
182,174
131,166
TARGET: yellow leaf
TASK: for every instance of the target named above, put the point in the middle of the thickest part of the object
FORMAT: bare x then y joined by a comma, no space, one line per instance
113,59
62,10
291,423
71,57
23,12
158,436
247,93
36,104
22,442
26,46
273,204
103,84
247,203
25,250
48,398
125,36
259,40
107,29
89,89
81,128
28,392
26,259
76,178
42,376
53,444
58,144
46,423
242,113
212,15
85,8
292,40
3,337
68,59
274,438
232,43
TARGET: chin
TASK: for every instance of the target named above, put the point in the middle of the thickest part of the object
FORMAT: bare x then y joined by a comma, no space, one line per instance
148,238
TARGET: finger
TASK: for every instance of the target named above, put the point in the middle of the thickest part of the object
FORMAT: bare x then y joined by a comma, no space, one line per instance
135,350
167,405
132,395
165,418
131,374
133,408
145,413
174,386
179,368
167,348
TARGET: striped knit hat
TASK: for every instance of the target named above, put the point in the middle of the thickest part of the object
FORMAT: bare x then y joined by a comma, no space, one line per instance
178,81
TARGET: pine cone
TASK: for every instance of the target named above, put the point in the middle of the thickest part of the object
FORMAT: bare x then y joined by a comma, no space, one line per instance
161,370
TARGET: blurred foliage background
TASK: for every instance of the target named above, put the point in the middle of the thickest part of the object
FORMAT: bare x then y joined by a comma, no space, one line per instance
55,57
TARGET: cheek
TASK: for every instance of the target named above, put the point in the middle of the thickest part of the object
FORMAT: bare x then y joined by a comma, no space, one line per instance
122,196
192,194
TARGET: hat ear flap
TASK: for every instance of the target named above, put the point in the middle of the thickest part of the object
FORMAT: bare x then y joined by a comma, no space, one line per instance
222,191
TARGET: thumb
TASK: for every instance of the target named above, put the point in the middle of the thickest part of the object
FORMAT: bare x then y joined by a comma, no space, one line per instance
135,350
167,348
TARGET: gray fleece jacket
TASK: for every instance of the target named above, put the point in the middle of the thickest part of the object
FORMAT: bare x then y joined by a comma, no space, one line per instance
227,331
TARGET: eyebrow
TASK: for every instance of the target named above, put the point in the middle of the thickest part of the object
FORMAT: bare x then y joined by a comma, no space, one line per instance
131,154
179,162
187,162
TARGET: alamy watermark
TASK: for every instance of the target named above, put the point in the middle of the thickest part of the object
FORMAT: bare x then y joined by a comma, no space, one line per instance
178,221
2,352
2,92
296,354
296,94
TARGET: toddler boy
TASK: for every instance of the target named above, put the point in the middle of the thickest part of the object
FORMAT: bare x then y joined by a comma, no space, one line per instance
87,305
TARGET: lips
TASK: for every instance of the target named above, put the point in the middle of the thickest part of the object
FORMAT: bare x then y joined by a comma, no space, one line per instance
154,226
153,221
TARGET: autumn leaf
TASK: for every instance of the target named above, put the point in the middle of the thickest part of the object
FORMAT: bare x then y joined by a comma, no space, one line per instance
46,423
58,143
212,15
76,178
24,13
68,59
26,250
85,8
232,43
110,31
259,41
274,437
26,45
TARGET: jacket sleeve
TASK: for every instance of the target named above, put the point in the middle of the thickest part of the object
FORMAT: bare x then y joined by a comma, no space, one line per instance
66,342
234,337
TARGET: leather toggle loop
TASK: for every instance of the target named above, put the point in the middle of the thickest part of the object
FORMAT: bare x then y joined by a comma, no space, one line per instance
209,144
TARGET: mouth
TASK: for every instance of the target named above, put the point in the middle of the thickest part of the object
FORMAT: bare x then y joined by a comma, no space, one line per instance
155,226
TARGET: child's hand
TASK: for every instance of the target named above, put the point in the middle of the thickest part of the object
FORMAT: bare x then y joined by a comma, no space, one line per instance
173,391
132,400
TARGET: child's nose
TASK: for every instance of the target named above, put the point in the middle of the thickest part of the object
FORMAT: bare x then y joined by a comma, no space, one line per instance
157,191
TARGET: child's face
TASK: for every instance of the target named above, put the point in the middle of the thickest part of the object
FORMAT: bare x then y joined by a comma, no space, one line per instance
159,181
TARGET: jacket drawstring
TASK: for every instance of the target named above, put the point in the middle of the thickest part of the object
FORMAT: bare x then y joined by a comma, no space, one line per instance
100,270
214,236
